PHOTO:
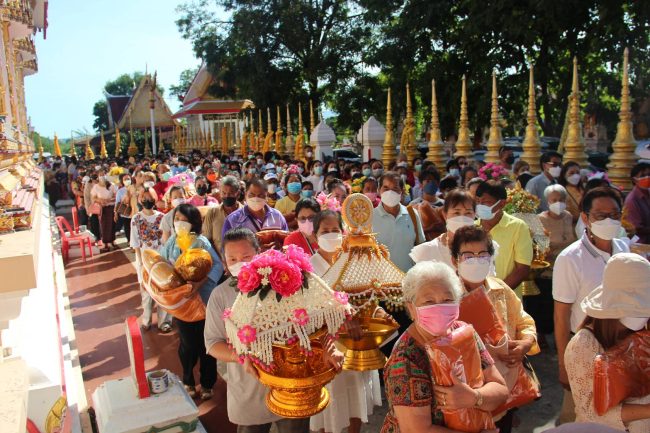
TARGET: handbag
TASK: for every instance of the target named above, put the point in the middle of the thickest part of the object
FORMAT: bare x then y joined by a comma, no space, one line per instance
123,209
95,209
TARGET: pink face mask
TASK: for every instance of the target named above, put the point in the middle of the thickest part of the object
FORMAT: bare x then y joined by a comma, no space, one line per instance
436,319
306,227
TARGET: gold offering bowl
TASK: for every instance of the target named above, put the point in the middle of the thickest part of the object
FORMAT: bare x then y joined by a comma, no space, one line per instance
297,381
528,286
364,354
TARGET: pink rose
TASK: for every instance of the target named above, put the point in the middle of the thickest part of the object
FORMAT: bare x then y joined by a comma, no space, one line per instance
247,334
226,314
341,297
300,316
285,278
267,258
248,279
297,256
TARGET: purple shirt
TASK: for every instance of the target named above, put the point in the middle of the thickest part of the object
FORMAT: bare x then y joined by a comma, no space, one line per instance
637,210
243,218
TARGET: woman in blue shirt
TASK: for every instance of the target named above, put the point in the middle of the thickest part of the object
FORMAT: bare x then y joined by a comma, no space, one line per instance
191,345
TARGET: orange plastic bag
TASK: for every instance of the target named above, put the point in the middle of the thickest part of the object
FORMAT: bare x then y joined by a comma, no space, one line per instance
477,309
458,354
622,372
524,390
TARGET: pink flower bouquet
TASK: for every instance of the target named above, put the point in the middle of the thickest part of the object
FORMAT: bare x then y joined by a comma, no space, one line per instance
493,171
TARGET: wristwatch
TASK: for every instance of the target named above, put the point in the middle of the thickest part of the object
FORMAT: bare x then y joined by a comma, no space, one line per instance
479,399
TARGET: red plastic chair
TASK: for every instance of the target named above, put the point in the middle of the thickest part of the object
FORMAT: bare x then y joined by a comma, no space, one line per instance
70,239
75,219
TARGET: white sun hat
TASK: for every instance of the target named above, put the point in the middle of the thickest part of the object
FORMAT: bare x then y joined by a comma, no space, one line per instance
624,292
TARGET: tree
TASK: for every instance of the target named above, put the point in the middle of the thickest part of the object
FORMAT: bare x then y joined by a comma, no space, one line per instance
184,82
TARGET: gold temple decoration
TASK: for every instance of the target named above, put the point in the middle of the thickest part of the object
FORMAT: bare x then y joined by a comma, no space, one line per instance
436,152
531,144
73,149
118,143
102,148
133,148
312,123
495,140
388,152
407,142
463,144
565,127
301,135
57,147
244,146
89,154
623,158
251,132
269,132
289,144
574,147
260,133
224,141
3,106
147,148
278,131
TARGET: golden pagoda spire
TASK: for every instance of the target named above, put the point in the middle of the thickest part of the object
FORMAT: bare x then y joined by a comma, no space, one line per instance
289,144
300,138
408,145
574,147
436,152
531,144
623,158
278,131
495,141
269,132
388,153
463,143
147,148
57,147
89,155
260,130
312,121
251,132
73,150
102,147
133,148
118,143
244,145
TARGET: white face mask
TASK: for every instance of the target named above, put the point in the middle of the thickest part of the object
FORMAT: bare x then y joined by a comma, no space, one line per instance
309,154
634,323
454,223
606,229
574,179
557,208
235,268
127,182
390,198
474,270
270,188
330,242
555,171
454,172
255,203
485,212
182,227
148,184
178,201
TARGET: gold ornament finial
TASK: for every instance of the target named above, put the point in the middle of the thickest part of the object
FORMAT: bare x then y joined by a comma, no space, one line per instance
463,144
575,144
388,153
407,142
623,158
312,121
118,143
289,145
102,146
495,140
278,130
531,144
436,152
301,135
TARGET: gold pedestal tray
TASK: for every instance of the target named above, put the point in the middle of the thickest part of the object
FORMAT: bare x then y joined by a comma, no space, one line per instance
364,354
528,286
297,381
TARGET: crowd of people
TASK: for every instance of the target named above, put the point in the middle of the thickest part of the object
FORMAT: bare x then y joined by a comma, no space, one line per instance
444,227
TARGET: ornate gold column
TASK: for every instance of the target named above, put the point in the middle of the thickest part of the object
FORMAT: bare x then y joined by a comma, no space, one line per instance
278,130
531,145
118,143
133,148
388,153
463,144
260,133
102,149
301,135
495,141
436,152
574,147
312,123
409,147
624,145
289,145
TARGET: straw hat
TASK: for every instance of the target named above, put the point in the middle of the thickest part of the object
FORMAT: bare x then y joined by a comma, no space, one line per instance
625,290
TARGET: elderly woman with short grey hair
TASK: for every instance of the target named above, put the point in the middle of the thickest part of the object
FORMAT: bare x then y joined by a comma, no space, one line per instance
432,292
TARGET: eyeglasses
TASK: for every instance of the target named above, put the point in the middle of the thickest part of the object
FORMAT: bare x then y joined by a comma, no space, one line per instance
305,219
604,216
482,256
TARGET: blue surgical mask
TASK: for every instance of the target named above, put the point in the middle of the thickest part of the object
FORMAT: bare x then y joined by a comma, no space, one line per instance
485,212
307,193
366,172
318,170
294,187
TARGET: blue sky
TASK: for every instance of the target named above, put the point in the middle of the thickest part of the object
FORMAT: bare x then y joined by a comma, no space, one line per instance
90,42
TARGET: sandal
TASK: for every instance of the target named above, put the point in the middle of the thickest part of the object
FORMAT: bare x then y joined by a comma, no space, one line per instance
206,394
165,328
190,390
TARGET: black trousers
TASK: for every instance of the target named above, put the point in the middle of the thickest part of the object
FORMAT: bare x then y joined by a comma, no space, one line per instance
93,226
540,307
505,424
124,222
191,349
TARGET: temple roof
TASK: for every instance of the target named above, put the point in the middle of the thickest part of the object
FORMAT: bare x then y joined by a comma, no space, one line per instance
116,106
136,112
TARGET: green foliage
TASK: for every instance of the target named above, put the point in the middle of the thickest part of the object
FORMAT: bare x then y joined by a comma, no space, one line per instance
184,82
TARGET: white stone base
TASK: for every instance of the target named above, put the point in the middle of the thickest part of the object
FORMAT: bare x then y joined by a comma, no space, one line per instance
119,410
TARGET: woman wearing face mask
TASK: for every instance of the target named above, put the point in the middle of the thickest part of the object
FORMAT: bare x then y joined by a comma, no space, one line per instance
304,237
307,189
328,228
377,169
123,195
432,292
571,180
316,175
369,188
472,251
202,198
250,171
147,234
287,205
175,197
187,218
103,195
617,308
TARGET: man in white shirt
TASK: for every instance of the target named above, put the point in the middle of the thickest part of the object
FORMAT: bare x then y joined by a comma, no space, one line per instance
579,269
551,165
